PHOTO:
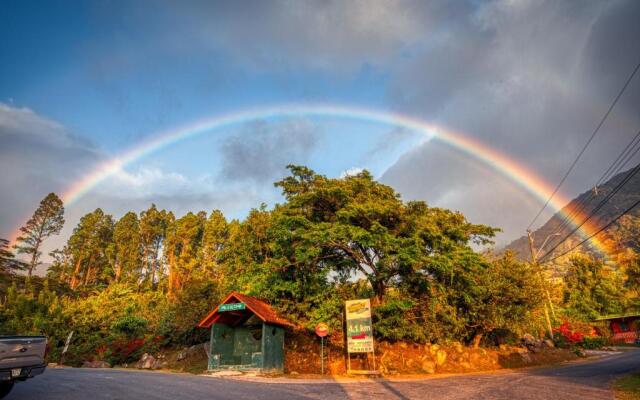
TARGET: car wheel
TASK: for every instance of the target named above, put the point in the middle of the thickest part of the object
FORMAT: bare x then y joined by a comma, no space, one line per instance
5,388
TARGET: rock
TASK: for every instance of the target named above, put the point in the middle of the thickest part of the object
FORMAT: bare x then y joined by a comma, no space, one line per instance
525,357
434,349
96,364
52,365
441,357
181,356
465,365
549,343
429,367
457,346
146,362
293,373
528,339
403,345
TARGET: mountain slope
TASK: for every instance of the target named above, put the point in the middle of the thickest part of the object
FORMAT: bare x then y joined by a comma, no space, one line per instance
618,234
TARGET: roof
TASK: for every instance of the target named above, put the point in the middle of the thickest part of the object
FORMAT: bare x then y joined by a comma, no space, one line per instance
620,316
258,307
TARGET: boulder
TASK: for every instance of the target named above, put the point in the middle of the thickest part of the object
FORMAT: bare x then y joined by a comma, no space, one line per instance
429,367
525,357
528,339
466,365
181,355
549,343
96,364
457,346
441,357
147,361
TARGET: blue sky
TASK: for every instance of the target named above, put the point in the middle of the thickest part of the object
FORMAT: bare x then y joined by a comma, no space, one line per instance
82,81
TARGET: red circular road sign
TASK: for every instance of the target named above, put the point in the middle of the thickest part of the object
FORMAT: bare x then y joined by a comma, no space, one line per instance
322,329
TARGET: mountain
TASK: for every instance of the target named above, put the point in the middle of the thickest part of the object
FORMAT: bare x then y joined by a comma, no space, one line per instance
622,233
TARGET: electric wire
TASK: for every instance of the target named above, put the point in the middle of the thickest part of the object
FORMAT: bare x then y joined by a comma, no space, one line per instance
584,148
596,233
597,208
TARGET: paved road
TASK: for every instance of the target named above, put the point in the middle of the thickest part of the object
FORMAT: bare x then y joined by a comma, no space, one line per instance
587,380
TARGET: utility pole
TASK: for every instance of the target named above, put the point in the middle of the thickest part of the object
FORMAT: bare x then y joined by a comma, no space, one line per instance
534,263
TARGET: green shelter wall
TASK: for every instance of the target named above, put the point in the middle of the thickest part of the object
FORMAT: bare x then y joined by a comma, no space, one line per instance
272,347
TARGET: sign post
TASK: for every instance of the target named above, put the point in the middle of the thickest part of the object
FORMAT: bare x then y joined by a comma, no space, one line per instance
66,347
322,330
359,330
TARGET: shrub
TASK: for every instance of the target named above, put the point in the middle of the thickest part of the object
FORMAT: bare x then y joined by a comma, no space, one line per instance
591,343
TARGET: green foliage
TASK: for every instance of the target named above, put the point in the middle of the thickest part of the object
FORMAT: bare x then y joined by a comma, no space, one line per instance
47,220
593,343
8,263
127,249
592,290
145,281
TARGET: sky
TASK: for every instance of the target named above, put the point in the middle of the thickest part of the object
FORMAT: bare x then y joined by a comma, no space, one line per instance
82,82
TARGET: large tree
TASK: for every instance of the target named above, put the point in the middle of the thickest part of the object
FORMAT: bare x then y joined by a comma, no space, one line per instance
355,225
153,230
47,220
182,247
216,233
127,244
89,249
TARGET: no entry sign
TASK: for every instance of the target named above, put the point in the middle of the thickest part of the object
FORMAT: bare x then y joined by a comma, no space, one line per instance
322,329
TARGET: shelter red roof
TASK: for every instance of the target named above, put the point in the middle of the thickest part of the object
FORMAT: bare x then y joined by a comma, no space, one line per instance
258,307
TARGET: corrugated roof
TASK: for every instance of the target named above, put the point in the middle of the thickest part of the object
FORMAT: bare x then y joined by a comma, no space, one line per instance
620,316
261,309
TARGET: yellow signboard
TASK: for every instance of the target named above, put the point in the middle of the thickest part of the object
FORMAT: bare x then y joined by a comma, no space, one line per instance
359,332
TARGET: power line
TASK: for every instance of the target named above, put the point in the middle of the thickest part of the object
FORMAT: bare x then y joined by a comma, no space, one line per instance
618,164
584,148
599,231
597,208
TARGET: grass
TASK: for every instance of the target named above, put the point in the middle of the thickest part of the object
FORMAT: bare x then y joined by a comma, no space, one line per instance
627,387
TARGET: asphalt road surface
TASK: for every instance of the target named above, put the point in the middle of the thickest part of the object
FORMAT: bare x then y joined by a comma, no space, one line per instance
584,380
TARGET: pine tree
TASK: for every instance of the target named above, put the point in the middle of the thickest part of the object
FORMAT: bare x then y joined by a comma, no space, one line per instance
8,263
47,220
89,247
127,248
216,232
153,230
184,240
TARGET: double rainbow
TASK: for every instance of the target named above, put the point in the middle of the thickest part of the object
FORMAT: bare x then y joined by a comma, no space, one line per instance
516,172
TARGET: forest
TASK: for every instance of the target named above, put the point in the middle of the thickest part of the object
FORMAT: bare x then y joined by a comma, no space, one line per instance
143,281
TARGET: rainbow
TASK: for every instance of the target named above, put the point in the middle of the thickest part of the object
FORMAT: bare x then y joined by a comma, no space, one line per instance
516,172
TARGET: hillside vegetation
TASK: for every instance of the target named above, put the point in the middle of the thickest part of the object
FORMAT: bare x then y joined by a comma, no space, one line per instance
142,282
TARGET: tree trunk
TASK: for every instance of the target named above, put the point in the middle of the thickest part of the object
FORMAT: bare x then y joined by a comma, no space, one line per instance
34,257
74,277
118,271
476,340
379,289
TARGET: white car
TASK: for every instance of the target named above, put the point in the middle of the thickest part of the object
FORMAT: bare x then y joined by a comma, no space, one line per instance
21,357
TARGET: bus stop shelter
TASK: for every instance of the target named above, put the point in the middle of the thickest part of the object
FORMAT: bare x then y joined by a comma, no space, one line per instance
246,334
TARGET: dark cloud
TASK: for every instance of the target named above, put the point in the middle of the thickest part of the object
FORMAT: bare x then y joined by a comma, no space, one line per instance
37,156
530,79
262,150
443,177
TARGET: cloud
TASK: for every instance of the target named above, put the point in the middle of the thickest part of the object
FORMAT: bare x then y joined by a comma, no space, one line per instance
353,171
37,156
261,151
530,79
